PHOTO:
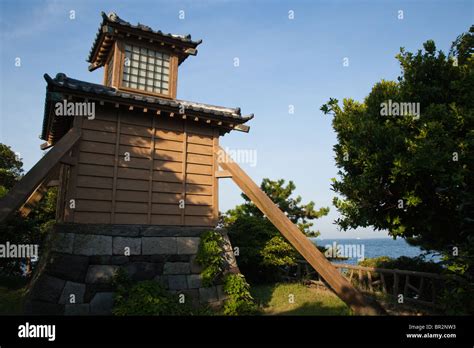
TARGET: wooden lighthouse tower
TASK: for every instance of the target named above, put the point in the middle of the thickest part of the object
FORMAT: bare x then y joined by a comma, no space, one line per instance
146,157
137,173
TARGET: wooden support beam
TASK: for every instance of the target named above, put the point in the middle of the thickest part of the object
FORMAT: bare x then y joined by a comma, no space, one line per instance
33,200
70,161
53,183
242,128
340,285
27,185
221,174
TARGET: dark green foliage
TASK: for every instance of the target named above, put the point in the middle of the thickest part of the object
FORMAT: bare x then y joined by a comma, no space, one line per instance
17,229
10,169
262,250
148,298
413,176
239,300
27,230
403,262
210,257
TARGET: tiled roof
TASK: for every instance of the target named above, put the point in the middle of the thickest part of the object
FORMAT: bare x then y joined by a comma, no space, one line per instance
115,20
63,83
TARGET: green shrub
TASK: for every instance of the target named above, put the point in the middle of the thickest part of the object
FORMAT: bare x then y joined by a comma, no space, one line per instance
239,300
210,256
148,298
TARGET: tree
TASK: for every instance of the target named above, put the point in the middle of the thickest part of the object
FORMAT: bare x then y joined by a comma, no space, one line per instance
412,173
18,229
10,169
262,249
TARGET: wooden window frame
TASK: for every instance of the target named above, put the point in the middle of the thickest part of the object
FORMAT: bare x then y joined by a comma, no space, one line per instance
119,61
106,81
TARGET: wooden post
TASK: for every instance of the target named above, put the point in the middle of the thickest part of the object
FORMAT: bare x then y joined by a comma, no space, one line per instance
340,285
384,286
369,280
420,289
395,284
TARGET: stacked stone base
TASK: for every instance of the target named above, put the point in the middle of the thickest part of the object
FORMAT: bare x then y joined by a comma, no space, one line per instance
75,273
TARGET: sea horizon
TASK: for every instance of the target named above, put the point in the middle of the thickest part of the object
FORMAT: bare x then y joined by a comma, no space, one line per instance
364,248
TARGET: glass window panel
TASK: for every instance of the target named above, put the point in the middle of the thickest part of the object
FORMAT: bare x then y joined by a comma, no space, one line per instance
149,70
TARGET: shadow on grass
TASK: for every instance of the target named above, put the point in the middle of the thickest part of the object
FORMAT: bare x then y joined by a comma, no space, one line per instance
273,299
12,295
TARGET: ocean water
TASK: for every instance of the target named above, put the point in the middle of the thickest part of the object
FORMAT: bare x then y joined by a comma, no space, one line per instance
375,247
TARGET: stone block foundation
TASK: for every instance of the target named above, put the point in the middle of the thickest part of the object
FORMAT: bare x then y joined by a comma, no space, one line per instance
74,276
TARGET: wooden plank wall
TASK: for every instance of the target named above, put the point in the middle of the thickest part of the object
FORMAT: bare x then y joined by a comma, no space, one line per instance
171,162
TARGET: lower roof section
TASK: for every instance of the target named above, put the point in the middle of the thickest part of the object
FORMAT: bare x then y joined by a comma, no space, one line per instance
62,88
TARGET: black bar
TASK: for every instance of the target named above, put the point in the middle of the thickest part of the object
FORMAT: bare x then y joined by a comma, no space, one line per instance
242,330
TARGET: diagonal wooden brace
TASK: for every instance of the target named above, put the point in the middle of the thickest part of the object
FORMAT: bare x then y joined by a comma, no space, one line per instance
20,193
343,288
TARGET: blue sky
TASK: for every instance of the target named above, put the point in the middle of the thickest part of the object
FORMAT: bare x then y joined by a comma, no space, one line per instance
283,62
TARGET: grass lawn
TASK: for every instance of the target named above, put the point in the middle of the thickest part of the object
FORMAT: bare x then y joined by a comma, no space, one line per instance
12,293
275,299
11,301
